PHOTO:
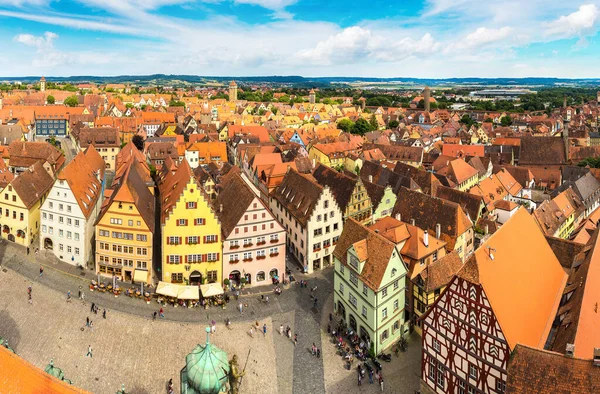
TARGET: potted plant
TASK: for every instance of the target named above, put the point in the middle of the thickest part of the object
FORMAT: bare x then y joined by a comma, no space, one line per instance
243,282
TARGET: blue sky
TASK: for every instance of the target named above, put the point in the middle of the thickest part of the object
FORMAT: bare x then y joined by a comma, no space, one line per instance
421,38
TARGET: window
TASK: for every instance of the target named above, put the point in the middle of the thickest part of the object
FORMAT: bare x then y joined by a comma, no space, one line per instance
192,239
69,249
60,247
174,259
396,326
234,257
326,204
114,221
191,205
353,279
173,240
317,247
365,290
247,255
142,251
384,335
274,238
461,387
76,236
211,276
210,239
104,233
44,215
200,222
260,276
500,386
68,208
141,237
473,371
61,233
68,221
61,219
319,218
60,207
342,269
436,345
177,277
431,370
396,303
260,253
440,375
77,251
352,300
335,226
44,228
50,205
384,313
69,235
76,222
384,292
396,284
342,288
318,231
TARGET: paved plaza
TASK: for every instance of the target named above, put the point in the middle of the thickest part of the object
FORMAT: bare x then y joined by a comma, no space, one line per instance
130,348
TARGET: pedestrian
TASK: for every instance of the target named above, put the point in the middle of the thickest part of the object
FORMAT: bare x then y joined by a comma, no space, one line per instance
41,270
315,303
69,296
83,298
95,310
29,289
28,250
251,332
87,321
295,339
370,376
79,294
30,300
91,325
381,382
241,307
281,329
313,349
265,330
213,326
89,352
318,353
154,316
161,313
92,307
104,314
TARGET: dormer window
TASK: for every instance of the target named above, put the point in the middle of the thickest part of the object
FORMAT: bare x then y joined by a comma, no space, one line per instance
353,261
394,271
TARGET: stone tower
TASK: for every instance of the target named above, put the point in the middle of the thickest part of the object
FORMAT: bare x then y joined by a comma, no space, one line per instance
233,91
426,98
42,84
565,102
565,135
0,100
312,96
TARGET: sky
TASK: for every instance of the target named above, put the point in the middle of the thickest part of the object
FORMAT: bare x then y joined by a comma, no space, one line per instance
376,38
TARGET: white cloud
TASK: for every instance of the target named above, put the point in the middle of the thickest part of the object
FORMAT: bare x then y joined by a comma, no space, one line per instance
40,42
483,36
575,24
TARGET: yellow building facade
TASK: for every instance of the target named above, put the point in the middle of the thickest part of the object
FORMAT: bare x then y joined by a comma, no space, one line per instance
191,233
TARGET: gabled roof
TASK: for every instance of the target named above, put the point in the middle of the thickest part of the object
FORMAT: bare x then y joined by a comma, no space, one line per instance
32,184
579,318
235,198
341,185
532,370
299,194
26,153
523,282
550,215
99,136
542,151
429,211
84,175
372,248
470,203
426,180
440,272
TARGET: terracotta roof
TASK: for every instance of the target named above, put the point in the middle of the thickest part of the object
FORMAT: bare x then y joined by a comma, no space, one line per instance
26,153
383,177
524,263
259,131
534,371
505,205
235,197
32,184
398,152
542,151
99,137
521,174
20,376
372,248
84,175
299,194
340,184
470,203
426,180
456,150
550,215
5,175
578,313
440,272
429,211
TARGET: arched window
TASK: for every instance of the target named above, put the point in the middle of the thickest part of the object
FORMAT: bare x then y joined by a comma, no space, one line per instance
260,276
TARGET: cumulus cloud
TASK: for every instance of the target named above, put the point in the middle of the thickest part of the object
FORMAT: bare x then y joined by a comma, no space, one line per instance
578,23
356,44
40,42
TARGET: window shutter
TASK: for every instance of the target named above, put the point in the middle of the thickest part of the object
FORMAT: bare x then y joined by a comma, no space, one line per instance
186,258
180,259
216,238
186,222
203,258
204,239
218,254
186,240
179,240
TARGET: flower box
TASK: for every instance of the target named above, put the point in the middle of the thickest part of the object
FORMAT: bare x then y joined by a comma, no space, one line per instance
234,247
317,250
248,245
261,243
246,260
274,241
261,257
274,254
233,261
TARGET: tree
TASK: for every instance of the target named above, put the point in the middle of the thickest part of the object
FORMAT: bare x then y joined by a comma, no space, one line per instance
50,100
467,120
72,101
138,141
176,103
345,125
361,127
373,123
506,120
393,124
592,162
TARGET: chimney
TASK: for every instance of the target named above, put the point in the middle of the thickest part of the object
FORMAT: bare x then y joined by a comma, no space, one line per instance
491,254
596,360
438,231
570,350
221,208
426,239
371,178
412,222
399,217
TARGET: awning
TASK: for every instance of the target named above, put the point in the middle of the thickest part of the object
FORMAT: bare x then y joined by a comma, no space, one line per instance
167,289
188,293
140,276
211,290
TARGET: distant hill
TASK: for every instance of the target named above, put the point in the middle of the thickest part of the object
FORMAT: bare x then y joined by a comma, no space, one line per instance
299,81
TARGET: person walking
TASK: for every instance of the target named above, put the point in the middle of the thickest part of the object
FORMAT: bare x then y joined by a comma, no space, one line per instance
79,296
83,298
213,326
41,270
281,329
161,313
91,325
295,339
241,307
30,300
96,310
154,315
87,321
89,352
318,353
313,349
28,251
69,296
370,376
315,303
264,330
251,332
29,289
104,314
381,382
92,307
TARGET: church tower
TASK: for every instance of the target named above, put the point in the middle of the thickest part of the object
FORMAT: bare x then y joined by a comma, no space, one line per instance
42,84
312,96
426,98
233,91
